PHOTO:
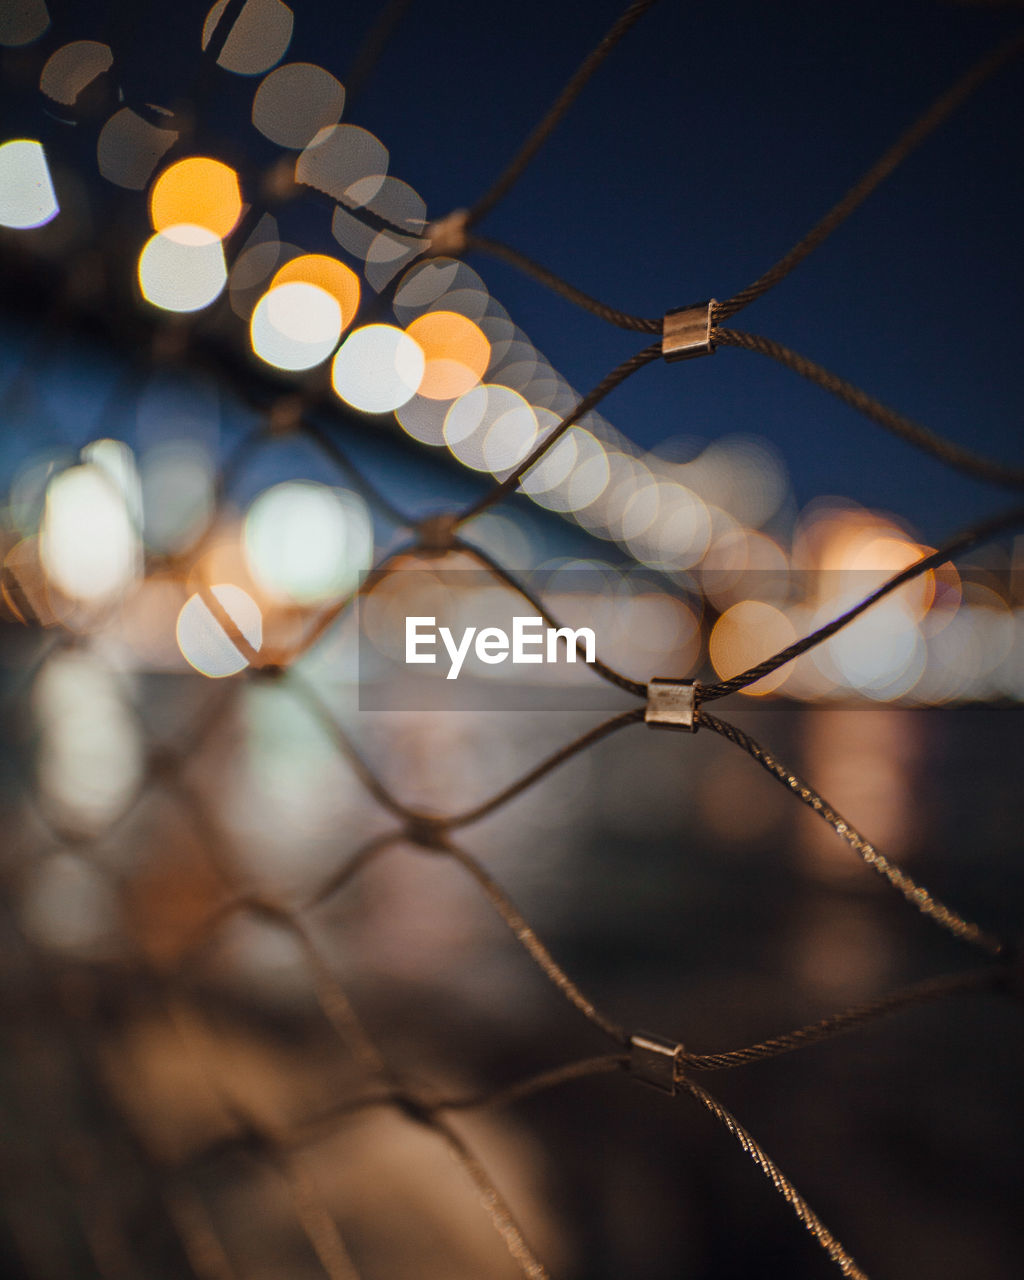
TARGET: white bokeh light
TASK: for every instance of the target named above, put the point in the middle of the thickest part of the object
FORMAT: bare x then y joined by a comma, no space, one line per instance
881,654
205,644
378,368
295,325
90,750
27,198
89,539
305,542
182,269
491,428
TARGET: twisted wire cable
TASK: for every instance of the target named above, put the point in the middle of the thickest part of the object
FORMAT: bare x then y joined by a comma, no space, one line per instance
507,179
204,1249
974,536
502,574
585,740
804,1213
947,451
506,253
528,940
370,492
907,142
340,1014
915,894
848,1020
507,1095
590,401
494,1203
374,44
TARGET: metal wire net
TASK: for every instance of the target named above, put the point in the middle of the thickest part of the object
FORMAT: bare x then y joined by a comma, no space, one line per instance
263,972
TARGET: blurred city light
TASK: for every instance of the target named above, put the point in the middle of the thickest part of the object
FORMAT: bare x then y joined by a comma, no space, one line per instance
306,543
295,326
456,353
326,273
203,640
258,38
196,192
378,368
89,538
182,269
27,197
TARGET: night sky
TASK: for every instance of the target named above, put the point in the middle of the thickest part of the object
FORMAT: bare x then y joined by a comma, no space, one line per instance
711,140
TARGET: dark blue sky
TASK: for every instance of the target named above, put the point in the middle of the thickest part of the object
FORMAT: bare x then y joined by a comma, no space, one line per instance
707,144
710,141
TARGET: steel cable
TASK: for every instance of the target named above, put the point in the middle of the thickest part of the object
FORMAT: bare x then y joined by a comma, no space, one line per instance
573,88
915,894
907,142
947,451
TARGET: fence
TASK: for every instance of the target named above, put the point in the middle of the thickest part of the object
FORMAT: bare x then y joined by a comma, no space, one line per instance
181,1109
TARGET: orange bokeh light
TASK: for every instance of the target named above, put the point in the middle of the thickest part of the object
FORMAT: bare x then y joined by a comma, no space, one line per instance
196,192
326,273
891,554
456,351
746,634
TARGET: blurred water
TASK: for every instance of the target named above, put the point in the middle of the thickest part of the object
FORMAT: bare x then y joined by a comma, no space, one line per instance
684,890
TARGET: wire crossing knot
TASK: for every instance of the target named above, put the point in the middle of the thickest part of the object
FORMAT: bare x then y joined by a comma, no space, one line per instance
447,237
655,1061
671,704
686,332
437,533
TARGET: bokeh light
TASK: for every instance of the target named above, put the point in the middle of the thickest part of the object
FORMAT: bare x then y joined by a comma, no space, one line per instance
129,148
882,654
746,634
396,201
305,542
24,596
73,68
456,352
204,642
89,541
441,284
70,907
27,197
423,419
196,192
666,524
295,326
590,475
378,368
881,555
23,22
295,102
744,564
26,497
259,37
491,428
385,252
326,273
345,162
182,271
252,269
91,750
178,492
545,482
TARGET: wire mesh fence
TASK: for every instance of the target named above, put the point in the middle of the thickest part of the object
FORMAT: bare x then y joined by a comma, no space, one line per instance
230,887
